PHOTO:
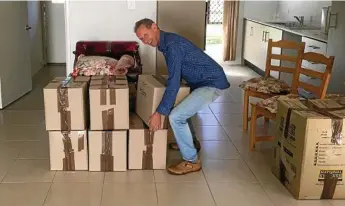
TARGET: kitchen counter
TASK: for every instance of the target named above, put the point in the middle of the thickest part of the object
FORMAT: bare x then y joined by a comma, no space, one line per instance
313,34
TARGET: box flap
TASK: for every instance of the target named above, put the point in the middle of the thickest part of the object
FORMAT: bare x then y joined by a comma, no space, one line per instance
108,82
67,82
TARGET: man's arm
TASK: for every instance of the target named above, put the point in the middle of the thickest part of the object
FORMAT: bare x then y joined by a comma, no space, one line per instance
175,55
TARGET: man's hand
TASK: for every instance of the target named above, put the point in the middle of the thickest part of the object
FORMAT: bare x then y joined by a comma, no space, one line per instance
155,122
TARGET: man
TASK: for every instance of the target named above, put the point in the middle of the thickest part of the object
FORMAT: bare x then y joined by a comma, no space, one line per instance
205,77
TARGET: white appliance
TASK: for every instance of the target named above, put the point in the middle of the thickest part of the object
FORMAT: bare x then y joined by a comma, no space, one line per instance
325,17
336,46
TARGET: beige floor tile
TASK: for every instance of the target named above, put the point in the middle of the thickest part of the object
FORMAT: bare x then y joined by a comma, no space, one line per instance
234,120
186,194
227,98
31,101
35,150
25,171
227,171
337,202
240,193
5,165
218,150
235,132
206,133
204,120
205,110
130,176
279,195
79,176
23,194
22,118
226,108
229,119
134,194
11,149
164,176
74,194
22,133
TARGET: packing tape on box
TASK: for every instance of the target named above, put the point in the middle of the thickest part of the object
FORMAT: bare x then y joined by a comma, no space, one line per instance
108,119
147,158
81,141
337,122
63,100
108,83
68,161
107,158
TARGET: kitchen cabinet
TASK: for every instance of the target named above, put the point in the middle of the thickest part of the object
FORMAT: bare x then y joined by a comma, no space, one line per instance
256,42
252,36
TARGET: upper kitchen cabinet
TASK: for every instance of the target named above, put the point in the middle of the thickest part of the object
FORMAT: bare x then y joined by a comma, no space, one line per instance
255,44
336,46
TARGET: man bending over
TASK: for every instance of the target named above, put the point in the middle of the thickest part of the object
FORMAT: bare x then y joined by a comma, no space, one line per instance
205,77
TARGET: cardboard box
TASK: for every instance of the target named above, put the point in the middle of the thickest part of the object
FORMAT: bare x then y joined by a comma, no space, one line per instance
109,103
310,163
150,93
284,109
132,96
145,150
108,151
68,150
65,104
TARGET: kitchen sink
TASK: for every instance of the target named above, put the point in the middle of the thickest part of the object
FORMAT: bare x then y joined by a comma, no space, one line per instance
295,25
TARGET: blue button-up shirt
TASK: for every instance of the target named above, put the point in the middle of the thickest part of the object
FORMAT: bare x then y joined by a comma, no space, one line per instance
187,61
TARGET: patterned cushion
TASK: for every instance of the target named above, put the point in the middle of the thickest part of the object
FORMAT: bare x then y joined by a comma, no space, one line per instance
101,65
267,85
271,104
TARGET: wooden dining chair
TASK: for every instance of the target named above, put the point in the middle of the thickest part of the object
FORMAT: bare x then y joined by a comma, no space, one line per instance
253,91
259,109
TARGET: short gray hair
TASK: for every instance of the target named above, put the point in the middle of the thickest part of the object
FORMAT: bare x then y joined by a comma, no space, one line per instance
146,22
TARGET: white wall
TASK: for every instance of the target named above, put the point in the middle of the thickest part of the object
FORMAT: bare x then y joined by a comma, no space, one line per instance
288,9
56,49
110,21
260,10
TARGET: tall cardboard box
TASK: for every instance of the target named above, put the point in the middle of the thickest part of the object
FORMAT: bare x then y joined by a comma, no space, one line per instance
65,103
310,162
150,93
109,103
146,150
68,150
108,151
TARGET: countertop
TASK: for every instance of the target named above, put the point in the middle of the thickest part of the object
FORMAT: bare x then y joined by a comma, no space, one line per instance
313,34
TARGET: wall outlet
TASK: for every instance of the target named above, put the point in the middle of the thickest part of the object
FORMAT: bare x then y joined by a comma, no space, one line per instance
131,4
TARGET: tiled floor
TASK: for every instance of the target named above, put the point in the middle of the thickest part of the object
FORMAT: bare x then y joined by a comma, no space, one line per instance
231,175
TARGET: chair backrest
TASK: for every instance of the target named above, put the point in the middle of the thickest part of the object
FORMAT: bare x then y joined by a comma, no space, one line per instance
296,47
315,58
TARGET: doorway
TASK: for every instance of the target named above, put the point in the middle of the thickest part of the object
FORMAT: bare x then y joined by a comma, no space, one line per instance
214,29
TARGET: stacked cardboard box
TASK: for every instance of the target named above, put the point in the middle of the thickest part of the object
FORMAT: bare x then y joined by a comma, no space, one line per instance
109,122
309,157
65,114
148,150
116,140
151,89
